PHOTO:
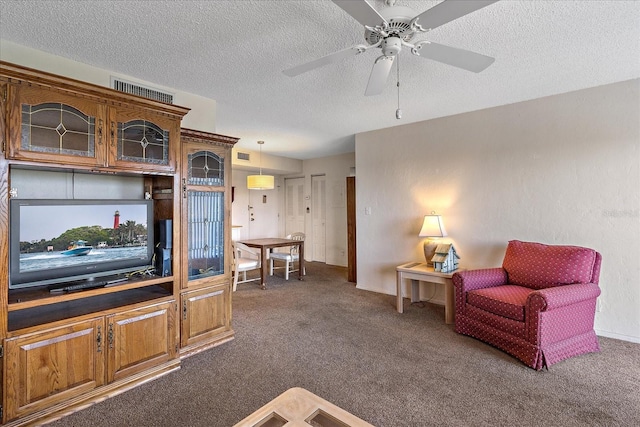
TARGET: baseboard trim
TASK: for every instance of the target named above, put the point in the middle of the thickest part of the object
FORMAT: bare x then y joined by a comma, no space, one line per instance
621,337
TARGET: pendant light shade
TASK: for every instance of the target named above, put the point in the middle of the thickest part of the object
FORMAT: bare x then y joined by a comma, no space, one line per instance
260,182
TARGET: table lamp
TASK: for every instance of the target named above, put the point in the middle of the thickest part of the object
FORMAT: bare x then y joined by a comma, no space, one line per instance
432,227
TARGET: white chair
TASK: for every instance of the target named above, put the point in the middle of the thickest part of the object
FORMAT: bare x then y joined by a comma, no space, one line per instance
244,259
289,257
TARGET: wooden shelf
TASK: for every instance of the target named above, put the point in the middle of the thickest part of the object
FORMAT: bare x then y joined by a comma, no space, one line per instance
63,309
21,299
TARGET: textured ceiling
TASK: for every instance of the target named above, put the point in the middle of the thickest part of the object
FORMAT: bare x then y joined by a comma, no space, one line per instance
235,51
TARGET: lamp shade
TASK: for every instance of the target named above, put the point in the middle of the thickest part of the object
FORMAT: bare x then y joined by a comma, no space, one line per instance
260,182
432,226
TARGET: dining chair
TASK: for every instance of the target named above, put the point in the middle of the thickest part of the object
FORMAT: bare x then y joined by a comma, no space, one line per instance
244,259
289,257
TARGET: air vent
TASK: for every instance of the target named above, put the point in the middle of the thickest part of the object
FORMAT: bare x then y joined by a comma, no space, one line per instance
243,156
145,92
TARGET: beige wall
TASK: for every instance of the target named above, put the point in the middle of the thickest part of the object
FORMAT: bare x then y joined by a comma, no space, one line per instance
563,169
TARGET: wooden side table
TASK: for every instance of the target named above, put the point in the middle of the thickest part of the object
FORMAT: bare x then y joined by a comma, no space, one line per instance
420,272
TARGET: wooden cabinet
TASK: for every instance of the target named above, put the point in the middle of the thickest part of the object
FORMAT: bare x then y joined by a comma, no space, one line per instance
205,240
61,121
51,366
69,349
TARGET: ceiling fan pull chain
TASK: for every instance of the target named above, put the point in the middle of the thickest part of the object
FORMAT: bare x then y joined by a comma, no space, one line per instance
398,111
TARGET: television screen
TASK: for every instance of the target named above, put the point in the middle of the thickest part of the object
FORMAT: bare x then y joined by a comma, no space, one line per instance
55,241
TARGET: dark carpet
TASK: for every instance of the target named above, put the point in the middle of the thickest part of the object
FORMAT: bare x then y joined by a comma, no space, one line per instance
353,349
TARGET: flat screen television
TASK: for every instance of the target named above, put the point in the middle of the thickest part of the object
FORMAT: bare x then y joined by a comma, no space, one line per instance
58,241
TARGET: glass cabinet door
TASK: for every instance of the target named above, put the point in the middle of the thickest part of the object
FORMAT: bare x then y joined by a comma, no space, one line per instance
205,215
57,128
142,141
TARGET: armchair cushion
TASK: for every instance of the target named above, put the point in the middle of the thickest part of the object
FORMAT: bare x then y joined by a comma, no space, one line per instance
506,301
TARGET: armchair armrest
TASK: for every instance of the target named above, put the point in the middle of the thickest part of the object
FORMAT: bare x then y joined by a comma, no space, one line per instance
469,280
560,296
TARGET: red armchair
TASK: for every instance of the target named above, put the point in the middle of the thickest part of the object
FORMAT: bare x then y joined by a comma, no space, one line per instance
539,306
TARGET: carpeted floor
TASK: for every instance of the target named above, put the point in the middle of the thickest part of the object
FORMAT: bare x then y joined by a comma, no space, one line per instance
352,348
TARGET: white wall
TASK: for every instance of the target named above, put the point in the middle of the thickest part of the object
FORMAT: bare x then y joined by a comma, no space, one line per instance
203,110
563,169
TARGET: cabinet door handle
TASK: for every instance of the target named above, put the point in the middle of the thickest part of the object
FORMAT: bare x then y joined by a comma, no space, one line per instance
100,123
184,310
184,188
110,333
113,134
99,339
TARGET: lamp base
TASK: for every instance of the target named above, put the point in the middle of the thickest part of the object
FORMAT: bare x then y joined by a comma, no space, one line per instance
429,251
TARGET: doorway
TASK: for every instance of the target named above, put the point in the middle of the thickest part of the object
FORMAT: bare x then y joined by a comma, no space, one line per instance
294,205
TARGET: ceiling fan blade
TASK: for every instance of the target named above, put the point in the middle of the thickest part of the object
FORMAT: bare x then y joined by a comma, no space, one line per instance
325,60
460,58
449,10
379,75
361,11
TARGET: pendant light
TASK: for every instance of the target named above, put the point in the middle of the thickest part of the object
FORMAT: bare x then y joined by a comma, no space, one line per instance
260,182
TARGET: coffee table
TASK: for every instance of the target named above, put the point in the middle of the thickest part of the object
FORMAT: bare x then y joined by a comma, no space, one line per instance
298,407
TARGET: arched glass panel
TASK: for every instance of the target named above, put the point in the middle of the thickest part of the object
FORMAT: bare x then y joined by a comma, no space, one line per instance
206,168
57,128
143,142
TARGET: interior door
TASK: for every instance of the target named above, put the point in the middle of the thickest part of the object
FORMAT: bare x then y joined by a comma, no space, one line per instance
318,209
294,205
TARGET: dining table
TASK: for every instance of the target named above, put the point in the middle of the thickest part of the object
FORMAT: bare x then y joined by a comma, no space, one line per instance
266,245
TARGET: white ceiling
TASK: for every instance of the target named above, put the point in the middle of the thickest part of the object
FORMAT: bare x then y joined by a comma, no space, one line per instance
235,51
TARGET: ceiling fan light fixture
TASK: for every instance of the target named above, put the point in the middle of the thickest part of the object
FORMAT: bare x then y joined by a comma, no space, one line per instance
391,46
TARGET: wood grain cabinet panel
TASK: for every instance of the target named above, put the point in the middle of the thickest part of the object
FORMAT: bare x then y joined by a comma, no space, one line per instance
205,315
139,339
48,367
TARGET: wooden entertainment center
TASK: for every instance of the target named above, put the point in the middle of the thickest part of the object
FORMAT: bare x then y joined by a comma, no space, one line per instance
63,351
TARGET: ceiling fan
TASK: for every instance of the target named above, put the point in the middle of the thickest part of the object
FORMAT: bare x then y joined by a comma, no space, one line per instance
395,27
